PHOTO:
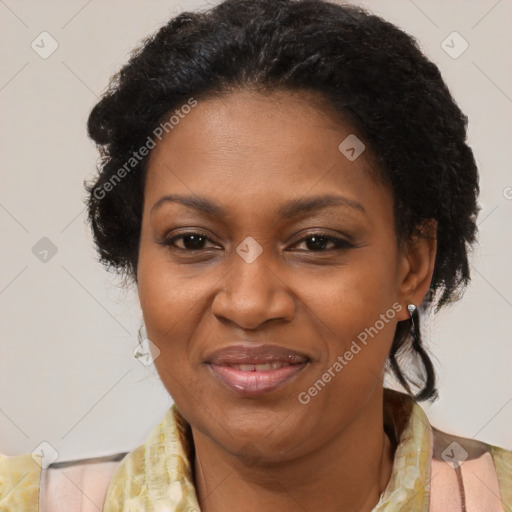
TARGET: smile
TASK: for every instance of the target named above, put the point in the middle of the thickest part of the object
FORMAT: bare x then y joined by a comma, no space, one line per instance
256,379
250,370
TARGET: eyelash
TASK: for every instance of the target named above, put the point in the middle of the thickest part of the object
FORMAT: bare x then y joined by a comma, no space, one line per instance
339,243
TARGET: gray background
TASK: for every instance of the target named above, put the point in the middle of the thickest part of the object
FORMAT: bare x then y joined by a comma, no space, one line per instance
68,330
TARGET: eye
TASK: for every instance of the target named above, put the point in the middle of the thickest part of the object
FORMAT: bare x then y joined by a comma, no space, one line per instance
192,241
317,242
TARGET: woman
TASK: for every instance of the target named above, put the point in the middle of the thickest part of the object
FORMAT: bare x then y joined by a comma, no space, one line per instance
287,184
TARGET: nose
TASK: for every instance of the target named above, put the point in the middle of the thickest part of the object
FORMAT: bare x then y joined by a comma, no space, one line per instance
252,294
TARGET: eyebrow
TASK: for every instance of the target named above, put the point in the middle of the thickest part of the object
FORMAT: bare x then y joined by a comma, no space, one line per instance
288,210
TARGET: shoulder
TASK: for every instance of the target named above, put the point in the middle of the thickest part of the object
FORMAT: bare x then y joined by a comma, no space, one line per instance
470,471
77,486
19,482
72,486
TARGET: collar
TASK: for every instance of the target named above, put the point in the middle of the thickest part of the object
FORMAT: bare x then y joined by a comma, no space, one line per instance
157,475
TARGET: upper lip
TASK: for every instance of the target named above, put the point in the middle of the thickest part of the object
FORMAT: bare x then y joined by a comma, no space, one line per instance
255,354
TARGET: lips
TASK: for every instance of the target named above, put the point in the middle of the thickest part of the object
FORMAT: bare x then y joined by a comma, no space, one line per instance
255,355
254,370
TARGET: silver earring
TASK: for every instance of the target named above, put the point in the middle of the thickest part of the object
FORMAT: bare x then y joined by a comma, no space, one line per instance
413,313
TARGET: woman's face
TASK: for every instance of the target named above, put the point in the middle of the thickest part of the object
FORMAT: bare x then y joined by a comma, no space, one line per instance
273,311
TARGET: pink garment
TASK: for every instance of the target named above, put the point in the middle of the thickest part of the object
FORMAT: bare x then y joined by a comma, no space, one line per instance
78,486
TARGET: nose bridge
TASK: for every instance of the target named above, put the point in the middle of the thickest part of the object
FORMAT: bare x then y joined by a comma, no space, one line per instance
251,272
252,292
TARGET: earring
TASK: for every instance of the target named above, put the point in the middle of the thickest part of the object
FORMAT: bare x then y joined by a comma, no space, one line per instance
141,334
413,312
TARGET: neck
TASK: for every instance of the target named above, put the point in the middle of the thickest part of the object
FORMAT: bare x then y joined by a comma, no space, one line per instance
347,473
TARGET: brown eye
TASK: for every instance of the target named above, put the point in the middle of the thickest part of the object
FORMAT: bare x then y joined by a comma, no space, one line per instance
191,241
319,242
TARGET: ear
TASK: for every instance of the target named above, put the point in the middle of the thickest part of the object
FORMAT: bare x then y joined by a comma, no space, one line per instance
418,256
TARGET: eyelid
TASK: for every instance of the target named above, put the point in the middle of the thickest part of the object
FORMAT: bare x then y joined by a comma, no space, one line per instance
340,242
168,240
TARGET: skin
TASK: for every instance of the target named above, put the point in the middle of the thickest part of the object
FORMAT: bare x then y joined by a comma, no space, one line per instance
251,153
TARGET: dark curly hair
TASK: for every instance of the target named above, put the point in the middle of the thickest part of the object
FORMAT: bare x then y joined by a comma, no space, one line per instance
367,71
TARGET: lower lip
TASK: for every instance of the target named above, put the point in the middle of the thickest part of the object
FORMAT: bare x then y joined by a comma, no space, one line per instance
253,383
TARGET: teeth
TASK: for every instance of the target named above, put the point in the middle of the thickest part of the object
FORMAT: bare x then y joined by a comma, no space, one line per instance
259,367
269,366
263,367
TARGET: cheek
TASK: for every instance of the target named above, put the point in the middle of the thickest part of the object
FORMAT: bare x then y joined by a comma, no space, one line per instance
175,304
168,293
356,311
361,290
166,301
356,314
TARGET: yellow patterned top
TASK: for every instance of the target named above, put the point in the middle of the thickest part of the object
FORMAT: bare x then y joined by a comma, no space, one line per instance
157,476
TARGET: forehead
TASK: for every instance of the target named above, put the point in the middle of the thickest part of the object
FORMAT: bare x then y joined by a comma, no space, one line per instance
247,147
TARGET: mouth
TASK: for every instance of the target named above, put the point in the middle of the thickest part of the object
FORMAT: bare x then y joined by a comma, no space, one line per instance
256,370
